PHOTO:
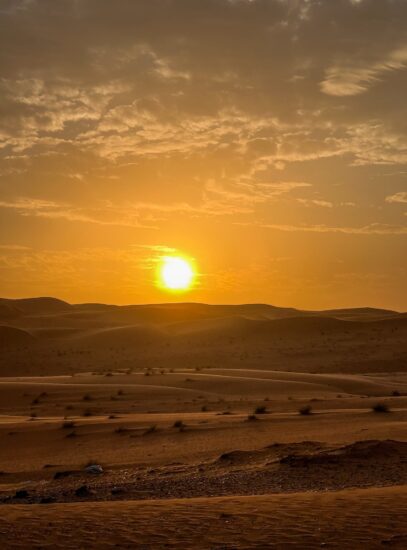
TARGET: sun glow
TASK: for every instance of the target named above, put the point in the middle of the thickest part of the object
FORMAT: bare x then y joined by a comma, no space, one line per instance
176,273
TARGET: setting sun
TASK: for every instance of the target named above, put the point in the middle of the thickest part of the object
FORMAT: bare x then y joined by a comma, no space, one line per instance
176,273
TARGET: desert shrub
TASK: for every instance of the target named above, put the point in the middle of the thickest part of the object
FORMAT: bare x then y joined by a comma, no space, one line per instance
87,413
112,416
33,415
120,392
306,410
251,417
395,393
204,408
261,409
87,397
151,430
121,430
179,424
68,424
380,408
35,401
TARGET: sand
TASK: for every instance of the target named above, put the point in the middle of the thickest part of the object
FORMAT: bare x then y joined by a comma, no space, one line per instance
193,413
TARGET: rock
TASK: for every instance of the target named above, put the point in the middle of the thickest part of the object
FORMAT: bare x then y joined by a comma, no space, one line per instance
47,500
82,491
94,469
21,494
65,473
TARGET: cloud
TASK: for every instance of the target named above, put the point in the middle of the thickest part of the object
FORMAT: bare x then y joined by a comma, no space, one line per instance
400,197
349,79
371,229
315,202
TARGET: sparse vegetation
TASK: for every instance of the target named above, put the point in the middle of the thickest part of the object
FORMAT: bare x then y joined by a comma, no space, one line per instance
306,410
121,430
179,424
68,424
261,409
380,408
251,417
151,430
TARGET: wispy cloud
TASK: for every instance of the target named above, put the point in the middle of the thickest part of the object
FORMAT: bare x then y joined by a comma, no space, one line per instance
400,197
350,79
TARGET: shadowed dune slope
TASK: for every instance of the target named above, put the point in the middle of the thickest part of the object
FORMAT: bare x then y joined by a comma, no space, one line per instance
14,338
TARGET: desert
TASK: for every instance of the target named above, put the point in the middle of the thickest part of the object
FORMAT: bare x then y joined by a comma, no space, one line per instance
212,426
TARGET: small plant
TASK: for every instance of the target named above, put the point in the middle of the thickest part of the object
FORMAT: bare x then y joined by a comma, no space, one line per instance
306,410
261,409
251,417
68,425
35,401
87,413
204,408
179,424
87,397
33,415
380,408
151,430
112,416
121,430
395,393
120,392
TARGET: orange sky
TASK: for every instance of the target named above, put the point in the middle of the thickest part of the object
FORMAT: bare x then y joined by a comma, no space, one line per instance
265,139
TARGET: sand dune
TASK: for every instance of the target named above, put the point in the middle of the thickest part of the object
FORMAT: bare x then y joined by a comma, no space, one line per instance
216,426
11,338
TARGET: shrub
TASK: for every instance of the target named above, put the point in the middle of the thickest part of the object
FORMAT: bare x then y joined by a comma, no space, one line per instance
251,417
261,409
151,430
69,424
87,397
380,408
395,393
306,410
87,413
179,424
121,430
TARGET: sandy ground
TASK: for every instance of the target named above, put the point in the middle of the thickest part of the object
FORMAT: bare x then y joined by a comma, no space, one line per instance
198,418
347,520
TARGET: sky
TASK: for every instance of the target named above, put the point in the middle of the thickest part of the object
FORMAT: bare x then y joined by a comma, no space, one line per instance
264,139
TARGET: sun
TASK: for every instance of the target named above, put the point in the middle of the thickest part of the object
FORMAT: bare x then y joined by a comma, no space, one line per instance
176,273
